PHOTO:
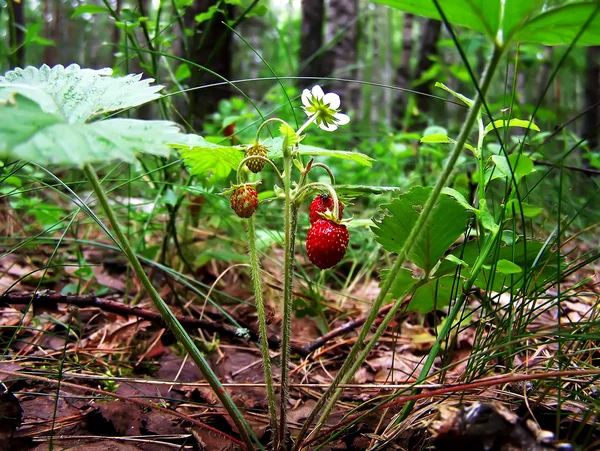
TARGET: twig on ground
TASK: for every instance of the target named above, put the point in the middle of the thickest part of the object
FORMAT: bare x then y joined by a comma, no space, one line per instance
50,299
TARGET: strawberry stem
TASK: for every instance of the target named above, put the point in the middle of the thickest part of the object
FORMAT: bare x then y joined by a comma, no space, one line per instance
262,322
291,219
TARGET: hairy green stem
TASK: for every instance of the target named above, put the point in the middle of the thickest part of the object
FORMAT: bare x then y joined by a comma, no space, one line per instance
168,316
262,322
331,394
291,217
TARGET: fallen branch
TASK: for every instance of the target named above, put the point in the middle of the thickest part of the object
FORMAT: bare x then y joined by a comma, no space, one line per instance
49,299
89,300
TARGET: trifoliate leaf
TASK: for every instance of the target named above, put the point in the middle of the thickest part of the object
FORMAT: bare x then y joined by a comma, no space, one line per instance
447,222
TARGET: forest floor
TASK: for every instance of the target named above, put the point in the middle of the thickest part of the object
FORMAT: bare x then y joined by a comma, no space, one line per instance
92,373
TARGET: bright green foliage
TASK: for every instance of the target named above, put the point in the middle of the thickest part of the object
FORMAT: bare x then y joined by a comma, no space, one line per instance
519,164
522,256
510,123
448,222
433,295
47,116
561,25
209,160
314,151
520,21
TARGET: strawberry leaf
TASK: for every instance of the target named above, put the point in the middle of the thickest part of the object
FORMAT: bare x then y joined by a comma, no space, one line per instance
447,222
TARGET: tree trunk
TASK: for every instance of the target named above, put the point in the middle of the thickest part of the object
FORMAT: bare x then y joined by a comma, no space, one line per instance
342,28
17,35
403,72
429,39
311,41
591,120
210,47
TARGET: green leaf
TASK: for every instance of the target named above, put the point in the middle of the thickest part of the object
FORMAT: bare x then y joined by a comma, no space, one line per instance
509,237
436,138
458,197
434,295
520,164
465,99
516,13
480,15
529,211
360,158
447,222
511,123
289,135
523,254
507,267
78,95
207,159
402,284
356,157
89,9
31,134
183,72
560,25
443,139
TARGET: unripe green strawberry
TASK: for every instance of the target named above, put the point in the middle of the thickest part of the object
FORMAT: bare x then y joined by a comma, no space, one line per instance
256,164
326,243
244,201
321,204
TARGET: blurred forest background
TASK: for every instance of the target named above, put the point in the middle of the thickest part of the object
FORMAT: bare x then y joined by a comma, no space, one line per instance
375,54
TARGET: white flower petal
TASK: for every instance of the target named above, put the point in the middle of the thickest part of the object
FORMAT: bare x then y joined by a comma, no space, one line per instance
332,100
328,127
308,113
306,96
341,118
317,92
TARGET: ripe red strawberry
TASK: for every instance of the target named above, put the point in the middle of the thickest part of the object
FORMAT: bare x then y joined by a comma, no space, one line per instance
321,204
244,201
326,243
256,165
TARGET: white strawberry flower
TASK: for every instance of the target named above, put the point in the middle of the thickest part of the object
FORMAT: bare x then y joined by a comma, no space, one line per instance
322,108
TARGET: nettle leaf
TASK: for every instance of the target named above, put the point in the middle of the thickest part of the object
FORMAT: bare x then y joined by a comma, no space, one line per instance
47,113
208,159
447,222
76,94
510,123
